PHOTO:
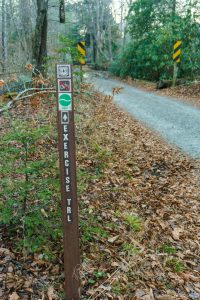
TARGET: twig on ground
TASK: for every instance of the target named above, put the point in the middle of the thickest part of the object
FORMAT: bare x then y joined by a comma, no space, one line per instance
99,287
33,89
40,91
31,95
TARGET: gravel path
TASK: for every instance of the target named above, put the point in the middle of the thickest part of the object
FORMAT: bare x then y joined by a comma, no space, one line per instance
178,123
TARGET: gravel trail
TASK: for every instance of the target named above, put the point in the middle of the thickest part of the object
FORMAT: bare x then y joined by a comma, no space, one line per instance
178,123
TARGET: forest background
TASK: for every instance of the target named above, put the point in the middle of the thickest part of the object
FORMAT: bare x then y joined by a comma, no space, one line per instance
130,38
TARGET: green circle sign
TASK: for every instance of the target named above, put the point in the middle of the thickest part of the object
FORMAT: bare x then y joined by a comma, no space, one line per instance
65,100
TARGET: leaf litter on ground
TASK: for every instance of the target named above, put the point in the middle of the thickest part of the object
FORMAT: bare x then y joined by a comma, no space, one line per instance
139,212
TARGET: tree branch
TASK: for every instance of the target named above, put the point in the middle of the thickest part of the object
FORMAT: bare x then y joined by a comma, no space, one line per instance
40,91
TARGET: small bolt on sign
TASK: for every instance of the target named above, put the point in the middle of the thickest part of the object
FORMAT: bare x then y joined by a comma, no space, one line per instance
66,146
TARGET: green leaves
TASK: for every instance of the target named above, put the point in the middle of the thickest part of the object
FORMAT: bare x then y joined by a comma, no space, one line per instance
29,184
153,29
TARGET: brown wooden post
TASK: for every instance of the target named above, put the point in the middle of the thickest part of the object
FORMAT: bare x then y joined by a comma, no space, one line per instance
175,73
66,145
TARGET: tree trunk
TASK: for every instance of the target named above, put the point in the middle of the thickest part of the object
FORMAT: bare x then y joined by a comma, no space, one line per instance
4,37
173,16
174,7
40,38
93,51
62,11
110,42
97,31
26,27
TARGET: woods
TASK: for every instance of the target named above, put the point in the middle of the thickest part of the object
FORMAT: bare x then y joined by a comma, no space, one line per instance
136,39
92,20
17,25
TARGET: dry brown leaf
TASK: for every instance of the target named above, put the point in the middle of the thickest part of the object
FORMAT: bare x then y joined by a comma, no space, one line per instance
29,67
51,293
117,90
113,239
2,83
176,233
115,264
139,293
14,296
35,101
44,213
6,252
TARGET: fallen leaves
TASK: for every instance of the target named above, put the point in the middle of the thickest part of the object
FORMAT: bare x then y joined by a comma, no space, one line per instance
123,170
14,296
188,92
176,233
51,293
2,83
117,90
6,252
29,67
147,178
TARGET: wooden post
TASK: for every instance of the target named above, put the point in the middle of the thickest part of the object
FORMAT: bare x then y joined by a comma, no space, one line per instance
175,74
81,73
66,145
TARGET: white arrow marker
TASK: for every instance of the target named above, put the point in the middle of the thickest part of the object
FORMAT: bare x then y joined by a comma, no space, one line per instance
65,117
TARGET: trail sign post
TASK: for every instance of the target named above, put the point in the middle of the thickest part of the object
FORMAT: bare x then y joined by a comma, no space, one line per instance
176,59
66,145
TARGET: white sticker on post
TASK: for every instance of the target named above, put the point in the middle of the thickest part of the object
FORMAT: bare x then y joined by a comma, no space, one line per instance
64,71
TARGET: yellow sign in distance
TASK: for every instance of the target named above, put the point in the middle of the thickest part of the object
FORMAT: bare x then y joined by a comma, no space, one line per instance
177,51
82,51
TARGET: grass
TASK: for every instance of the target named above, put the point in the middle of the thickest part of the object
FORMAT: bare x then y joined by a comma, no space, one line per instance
116,288
133,222
91,228
130,249
168,249
175,265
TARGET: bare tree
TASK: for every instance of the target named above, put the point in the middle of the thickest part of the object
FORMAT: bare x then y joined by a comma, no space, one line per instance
97,16
62,11
4,36
26,26
40,36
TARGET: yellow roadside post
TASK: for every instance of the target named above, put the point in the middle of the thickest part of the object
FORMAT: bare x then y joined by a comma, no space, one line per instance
82,53
176,59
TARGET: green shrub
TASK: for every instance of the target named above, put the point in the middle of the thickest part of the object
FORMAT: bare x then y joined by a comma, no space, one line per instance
29,186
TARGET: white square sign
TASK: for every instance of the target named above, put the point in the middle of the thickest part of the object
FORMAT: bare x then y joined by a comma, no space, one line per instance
64,71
